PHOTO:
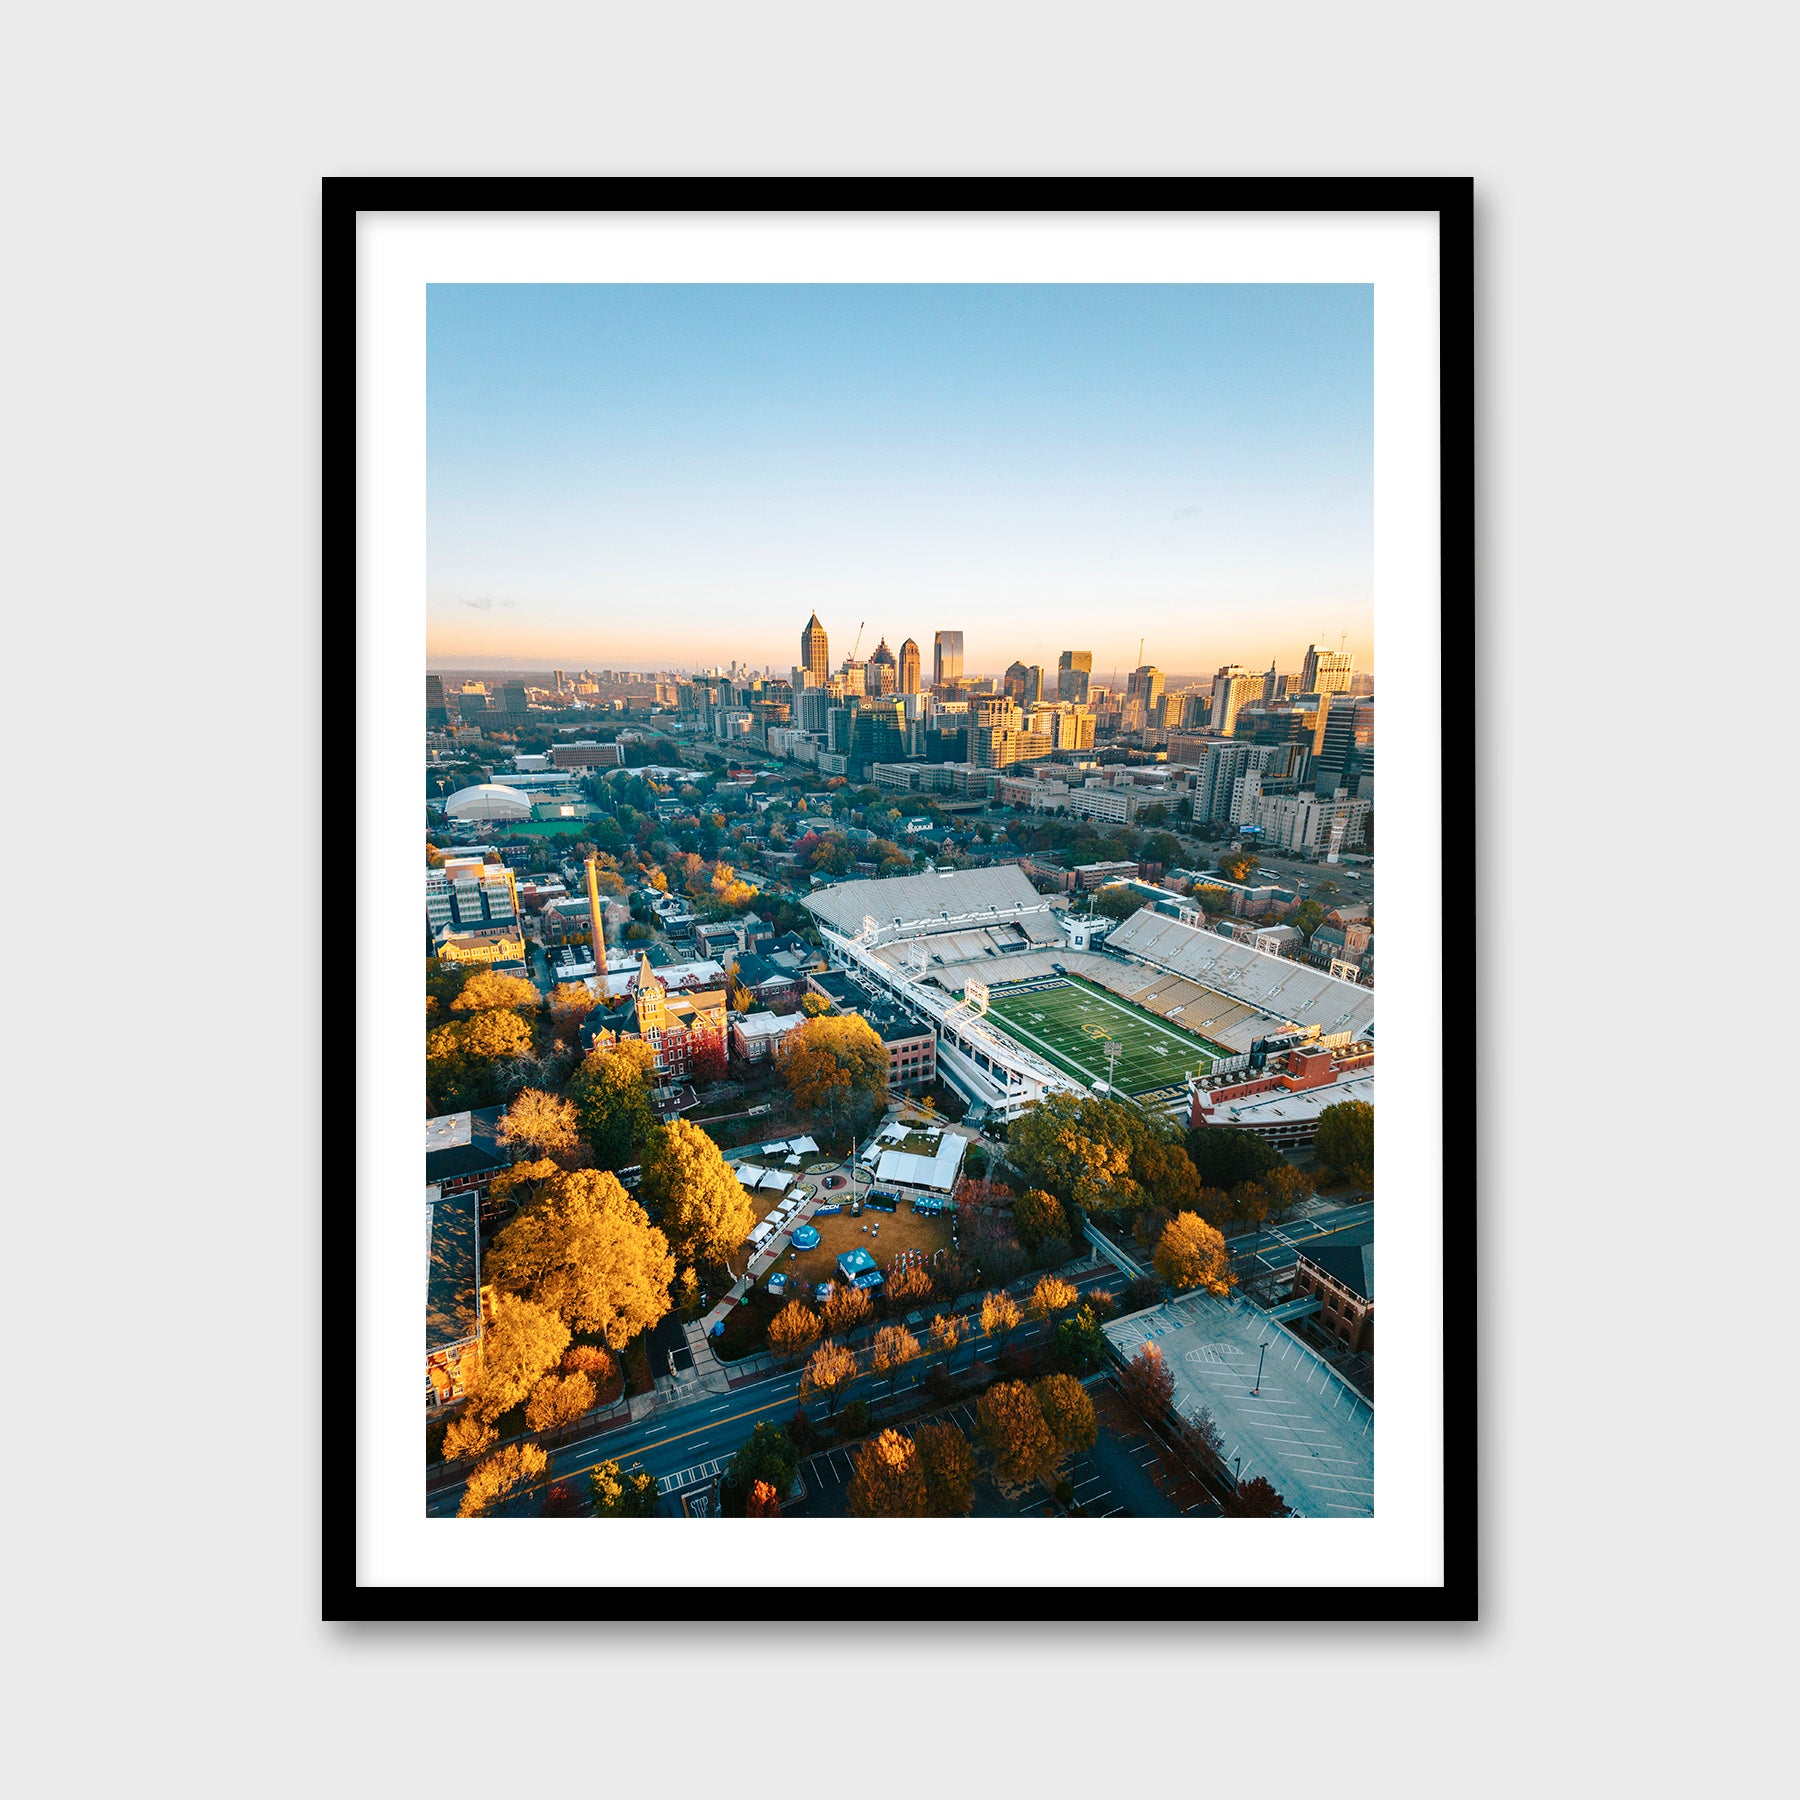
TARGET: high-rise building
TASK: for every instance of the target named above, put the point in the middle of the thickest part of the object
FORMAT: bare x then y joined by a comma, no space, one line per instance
815,653
1143,689
909,667
1233,687
1014,682
559,679
855,676
811,707
437,703
472,912
946,657
884,672
1346,759
1073,728
1074,671
1326,671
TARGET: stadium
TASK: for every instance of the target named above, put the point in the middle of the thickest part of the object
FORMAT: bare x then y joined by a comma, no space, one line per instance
1020,1013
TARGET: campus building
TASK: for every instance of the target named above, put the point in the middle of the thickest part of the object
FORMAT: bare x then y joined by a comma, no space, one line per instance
472,913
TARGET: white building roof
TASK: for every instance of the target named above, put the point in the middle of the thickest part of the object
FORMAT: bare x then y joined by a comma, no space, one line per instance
925,1171
927,902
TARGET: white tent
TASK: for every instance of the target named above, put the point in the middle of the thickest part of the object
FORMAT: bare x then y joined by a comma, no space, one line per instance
750,1175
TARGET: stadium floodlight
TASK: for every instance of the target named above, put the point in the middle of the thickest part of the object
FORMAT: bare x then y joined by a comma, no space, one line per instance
1113,1050
975,993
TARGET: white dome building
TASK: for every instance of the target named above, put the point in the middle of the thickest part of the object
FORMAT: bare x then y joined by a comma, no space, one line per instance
489,801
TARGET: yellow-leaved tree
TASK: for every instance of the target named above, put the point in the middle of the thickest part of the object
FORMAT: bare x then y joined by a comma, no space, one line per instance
888,1481
519,1342
836,1071
587,1251
508,1469
1022,1445
948,1465
694,1195
539,1124
487,990
1191,1254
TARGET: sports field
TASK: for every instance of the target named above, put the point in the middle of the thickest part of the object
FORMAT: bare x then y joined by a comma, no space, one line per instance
1067,1022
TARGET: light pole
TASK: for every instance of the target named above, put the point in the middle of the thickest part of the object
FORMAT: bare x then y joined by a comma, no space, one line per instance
1262,1350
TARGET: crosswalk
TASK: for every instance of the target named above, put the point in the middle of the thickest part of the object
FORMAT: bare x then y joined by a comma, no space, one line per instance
686,1478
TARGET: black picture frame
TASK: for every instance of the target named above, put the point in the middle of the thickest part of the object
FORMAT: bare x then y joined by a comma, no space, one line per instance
1452,199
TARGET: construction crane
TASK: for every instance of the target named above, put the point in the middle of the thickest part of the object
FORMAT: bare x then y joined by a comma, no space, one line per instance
858,644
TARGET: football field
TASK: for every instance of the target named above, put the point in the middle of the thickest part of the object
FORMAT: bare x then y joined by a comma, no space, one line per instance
1068,1023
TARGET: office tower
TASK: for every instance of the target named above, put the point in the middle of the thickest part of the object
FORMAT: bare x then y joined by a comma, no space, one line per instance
558,679
815,654
1271,682
909,667
999,711
1233,687
513,698
1325,671
1143,689
812,707
837,730
437,705
946,657
884,672
1013,683
1074,672
1346,759
1362,684
855,676
1073,728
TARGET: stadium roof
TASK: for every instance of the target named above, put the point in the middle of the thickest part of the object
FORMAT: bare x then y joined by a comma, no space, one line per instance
927,902
1272,984
488,801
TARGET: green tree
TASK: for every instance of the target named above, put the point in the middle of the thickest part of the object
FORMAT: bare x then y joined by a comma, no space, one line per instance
948,1465
611,1092
1080,1343
1159,846
614,1495
836,1071
768,1454
1191,1253
520,1341
1225,1156
694,1195
1117,901
1307,917
1346,1142
587,1250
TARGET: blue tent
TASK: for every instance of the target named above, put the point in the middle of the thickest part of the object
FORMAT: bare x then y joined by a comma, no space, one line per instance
806,1238
858,1268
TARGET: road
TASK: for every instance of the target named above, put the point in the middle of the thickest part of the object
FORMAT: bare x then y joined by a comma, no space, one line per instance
712,1428
1281,1244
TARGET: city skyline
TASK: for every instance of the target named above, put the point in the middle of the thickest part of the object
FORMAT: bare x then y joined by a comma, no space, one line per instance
657,477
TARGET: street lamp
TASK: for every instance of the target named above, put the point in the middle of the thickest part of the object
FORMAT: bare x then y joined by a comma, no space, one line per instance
1262,1350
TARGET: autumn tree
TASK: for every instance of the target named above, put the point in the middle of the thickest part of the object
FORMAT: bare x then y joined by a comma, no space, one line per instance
814,1005
794,1330
1346,1142
1052,1297
846,1308
1191,1254
893,1347
590,1360
540,1124
947,1330
1079,1149
831,1372
710,1062
762,1502
836,1070
507,1470
562,1502
1147,1383
615,1495
948,1465
1001,1316
888,1481
570,1003
1038,1216
1254,1499
909,1284
588,1251
1067,1411
487,991
522,1184
611,1092
1287,1189
1012,1426
693,1193
520,1341
559,1400
466,1435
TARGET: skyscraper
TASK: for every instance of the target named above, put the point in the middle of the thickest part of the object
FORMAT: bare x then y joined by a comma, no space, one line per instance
1143,689
946,657
884,672
1074,670
909,667
1233,686
1326,671
815,654
1016,683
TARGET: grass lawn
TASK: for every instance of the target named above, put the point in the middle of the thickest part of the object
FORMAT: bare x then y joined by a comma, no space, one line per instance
887,1234
1068,1023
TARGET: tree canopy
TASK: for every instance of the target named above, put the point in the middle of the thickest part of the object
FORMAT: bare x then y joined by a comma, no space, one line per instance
1067,1411
611,1093
521,1340
831,1371
487,990
1147,1382
1022,1445
512,1467
559,1400
543,1125
693,1194
1116,901
1079,1148
1225,1157
888,1481
948,1465
1191,1253
1038,1216
1254,1499
587,1250
767,1455
1346,1141
836,1071
614,1495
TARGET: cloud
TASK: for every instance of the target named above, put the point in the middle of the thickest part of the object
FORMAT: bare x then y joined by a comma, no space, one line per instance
486,604
1189,512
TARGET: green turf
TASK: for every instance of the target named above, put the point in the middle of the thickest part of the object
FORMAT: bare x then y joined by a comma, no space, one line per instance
1068,1025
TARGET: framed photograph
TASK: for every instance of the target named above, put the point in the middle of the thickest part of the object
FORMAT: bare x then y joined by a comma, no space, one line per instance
897,841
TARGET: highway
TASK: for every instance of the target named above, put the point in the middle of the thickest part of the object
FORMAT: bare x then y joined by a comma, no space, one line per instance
713,1426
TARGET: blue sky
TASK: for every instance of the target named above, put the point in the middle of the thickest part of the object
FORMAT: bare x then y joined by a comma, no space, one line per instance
628,476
